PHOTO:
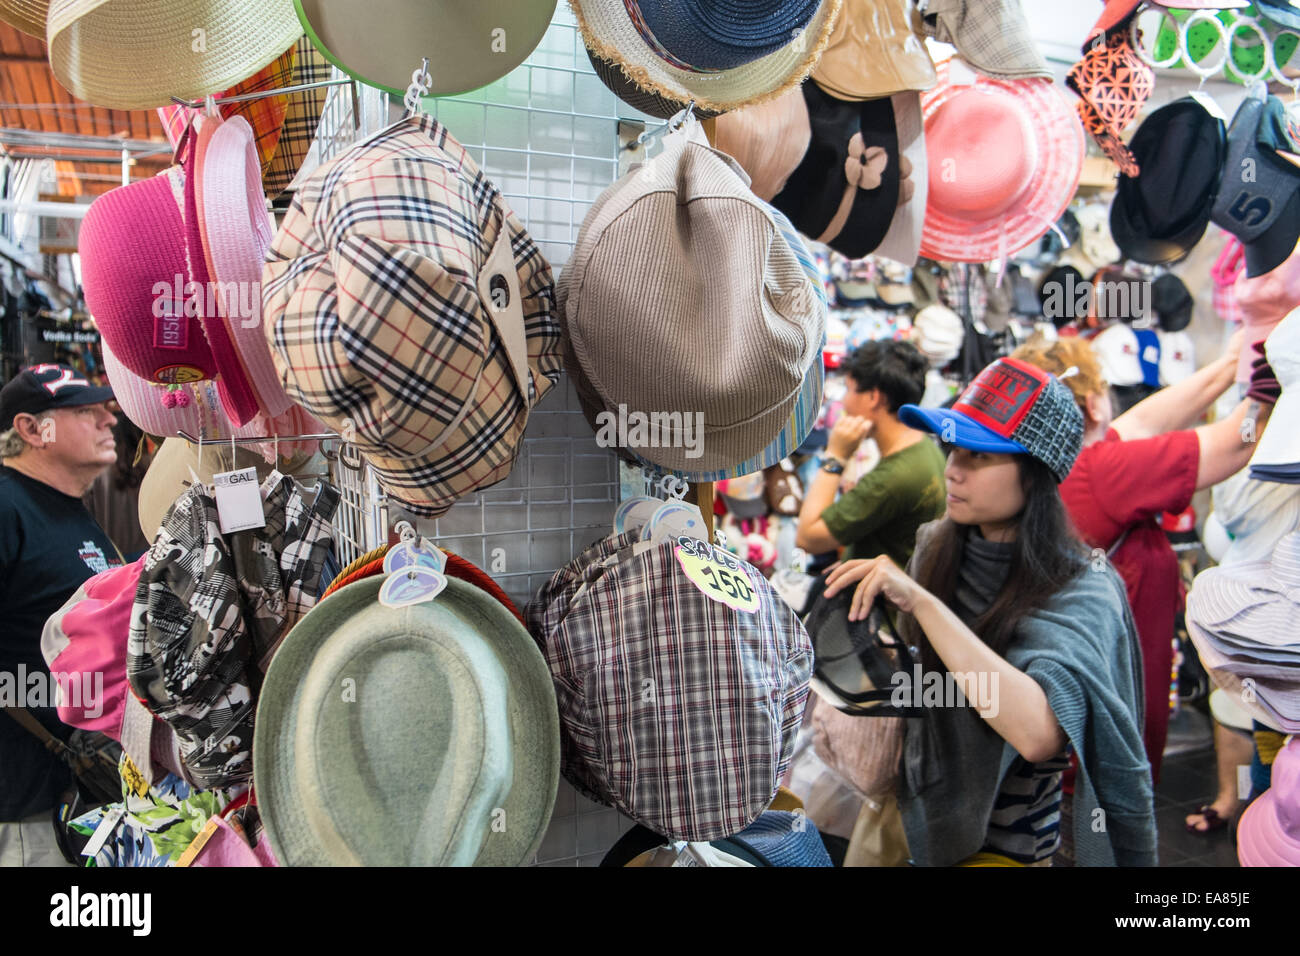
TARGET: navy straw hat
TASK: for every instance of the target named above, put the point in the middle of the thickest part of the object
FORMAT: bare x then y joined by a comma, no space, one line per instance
720,54
722,34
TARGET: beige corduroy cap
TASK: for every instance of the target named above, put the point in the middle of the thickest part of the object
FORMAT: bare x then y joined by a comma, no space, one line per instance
688,296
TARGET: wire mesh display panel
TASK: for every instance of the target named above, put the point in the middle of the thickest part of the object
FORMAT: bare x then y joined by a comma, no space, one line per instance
548,136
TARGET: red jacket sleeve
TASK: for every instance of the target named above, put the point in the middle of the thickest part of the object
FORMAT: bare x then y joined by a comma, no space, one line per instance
1133,481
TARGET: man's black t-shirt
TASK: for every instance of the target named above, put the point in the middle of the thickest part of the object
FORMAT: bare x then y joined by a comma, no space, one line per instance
49,545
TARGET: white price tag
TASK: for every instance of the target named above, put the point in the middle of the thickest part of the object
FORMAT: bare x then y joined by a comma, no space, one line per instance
239,500
104,831
272,482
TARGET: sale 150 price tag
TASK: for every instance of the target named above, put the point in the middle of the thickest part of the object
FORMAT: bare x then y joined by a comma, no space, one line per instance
719,575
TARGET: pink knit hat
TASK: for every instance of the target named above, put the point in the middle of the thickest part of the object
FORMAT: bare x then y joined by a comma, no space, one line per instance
1004,156
132,246
1269,832
237,231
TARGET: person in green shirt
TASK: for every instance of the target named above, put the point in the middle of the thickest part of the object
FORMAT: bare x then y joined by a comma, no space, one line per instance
881,513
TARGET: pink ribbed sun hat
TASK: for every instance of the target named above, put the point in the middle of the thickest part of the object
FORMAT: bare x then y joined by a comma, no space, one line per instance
1004,156
237,231
1269,832
237,395
132,246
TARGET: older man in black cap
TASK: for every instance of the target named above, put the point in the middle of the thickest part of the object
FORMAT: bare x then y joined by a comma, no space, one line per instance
56,436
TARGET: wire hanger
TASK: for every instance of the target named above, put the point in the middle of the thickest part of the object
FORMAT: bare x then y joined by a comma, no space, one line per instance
263,94
682,120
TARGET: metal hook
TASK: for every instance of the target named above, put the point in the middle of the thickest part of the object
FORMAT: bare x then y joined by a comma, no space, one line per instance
420,83
687,116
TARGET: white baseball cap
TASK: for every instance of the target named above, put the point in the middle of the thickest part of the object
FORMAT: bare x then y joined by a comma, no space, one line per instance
1177,357
1117,352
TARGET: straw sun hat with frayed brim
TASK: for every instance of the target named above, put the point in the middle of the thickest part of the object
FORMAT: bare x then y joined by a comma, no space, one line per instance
446,750
140,54
469,45
1005,158
721,54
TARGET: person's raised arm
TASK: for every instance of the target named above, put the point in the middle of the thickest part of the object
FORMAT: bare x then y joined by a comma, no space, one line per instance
1181,406
1225,447
812,534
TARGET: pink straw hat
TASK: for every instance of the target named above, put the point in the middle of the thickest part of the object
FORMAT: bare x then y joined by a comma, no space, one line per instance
1269,831
132,247
237,395
237,231
1005,157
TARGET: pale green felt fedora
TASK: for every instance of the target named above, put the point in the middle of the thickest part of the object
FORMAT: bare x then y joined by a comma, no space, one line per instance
418,736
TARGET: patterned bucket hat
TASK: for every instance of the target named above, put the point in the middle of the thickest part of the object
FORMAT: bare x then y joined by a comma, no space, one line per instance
209,612
676,708
265,115
301,119
405,303
1113,83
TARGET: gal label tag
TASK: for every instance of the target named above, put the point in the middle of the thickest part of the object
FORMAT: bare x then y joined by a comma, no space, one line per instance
239,500
720,576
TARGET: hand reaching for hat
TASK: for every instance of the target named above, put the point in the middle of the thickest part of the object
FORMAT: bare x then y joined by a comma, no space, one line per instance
874,577
1264,386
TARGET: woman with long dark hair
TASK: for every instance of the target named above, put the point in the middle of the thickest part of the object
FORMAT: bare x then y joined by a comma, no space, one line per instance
1004,602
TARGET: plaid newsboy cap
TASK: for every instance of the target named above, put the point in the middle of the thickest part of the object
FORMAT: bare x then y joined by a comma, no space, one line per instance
406,306
676,709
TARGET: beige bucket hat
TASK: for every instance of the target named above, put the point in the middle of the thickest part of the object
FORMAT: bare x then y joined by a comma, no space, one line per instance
873,52
404,301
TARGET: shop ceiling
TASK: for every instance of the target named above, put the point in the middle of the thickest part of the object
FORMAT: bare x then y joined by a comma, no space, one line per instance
41,120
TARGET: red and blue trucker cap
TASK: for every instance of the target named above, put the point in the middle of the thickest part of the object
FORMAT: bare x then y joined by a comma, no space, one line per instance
1011,408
